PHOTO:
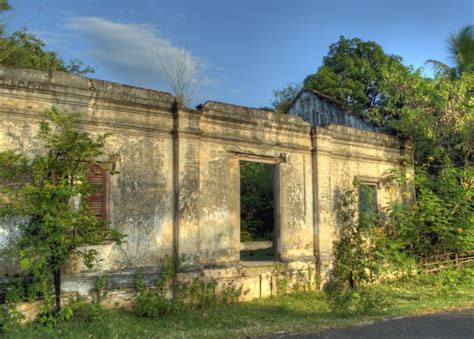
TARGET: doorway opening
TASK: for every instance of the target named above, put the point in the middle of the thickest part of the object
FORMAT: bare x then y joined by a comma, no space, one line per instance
258,234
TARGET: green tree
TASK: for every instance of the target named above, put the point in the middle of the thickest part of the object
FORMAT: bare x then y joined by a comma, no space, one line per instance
50,191
25,50
437,116
4,5
285,96
461,53
353,72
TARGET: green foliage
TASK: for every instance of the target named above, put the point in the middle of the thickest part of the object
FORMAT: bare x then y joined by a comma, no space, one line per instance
256,201
364,251
358,254
295,313
172,295
25,50
81,310
10,317
4,5
230,294
362,300
282,280
301,281
440,220
437,117
50,190
152,304
461,52
101,288
375,244
285,96
352,73
293,280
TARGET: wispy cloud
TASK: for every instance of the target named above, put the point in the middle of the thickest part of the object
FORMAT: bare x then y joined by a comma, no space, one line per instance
56,40
134,53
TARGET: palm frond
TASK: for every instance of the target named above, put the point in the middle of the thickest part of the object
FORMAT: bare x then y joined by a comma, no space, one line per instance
439,68
460,47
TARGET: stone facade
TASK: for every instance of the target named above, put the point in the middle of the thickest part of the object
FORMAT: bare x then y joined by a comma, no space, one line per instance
174,183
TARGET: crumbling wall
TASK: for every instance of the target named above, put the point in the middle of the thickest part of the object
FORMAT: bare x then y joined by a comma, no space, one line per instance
174,183
230,134
139,149
174,186
341,156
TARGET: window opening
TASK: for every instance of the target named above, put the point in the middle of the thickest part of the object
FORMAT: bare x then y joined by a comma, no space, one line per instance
367,199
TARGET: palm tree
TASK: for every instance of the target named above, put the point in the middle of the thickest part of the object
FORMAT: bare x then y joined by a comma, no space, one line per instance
461,54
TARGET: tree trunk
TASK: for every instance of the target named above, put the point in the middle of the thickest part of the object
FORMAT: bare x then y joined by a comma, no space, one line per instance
57,290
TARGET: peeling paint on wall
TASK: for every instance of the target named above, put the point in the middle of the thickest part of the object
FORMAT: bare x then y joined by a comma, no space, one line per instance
175,187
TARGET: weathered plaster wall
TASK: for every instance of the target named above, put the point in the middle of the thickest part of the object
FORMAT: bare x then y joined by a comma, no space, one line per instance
342,155
174,187
140,123
345,147
231,133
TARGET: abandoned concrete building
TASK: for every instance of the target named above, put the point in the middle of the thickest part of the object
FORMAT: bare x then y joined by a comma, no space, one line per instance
172,178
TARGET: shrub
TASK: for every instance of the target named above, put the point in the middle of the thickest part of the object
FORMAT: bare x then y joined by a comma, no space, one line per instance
80,309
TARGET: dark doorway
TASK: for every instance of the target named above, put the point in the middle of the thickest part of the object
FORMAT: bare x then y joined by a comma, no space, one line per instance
257,217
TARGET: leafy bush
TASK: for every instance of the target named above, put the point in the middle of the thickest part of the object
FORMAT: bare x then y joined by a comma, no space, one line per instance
153,304
9,317
80,309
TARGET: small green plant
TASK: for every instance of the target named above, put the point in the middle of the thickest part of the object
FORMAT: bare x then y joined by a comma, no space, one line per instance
81,309
230,294
139,281
172,294
10,317
101,288
301,281
154,301
153,304
200,292
282,281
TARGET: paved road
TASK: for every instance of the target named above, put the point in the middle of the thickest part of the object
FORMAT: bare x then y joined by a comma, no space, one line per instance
456,325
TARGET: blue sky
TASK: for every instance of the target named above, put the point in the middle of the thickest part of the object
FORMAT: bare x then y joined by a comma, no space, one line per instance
243,50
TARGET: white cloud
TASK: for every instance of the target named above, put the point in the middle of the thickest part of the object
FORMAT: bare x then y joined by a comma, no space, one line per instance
134,53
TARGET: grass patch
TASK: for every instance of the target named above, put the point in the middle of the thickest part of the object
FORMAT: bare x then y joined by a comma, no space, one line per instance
301,312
